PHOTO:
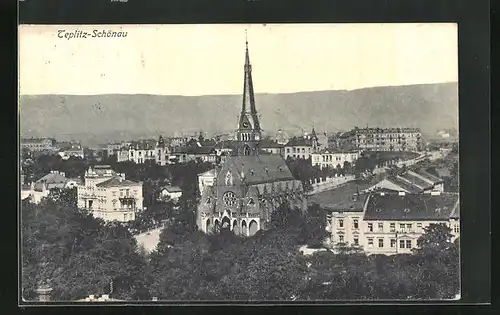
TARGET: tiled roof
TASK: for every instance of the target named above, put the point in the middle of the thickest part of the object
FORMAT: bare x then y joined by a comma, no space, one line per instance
299,142
404,184
117,182
260,168
429,176
270,144
443,172
194,149
52,178
341,199
411,207
413,180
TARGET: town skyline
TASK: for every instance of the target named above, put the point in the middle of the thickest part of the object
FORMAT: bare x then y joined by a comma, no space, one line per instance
207,59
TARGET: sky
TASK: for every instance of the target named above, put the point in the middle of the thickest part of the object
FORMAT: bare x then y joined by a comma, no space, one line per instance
209,59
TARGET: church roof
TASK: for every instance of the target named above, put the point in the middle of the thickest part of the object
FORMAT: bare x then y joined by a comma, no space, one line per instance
260,168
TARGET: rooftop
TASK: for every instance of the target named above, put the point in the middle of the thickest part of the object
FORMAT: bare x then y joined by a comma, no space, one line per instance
342,198
172,189
117,182
411,207
260,168
299,142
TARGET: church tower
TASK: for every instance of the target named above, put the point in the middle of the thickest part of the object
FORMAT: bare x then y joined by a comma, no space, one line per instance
249,132
314,140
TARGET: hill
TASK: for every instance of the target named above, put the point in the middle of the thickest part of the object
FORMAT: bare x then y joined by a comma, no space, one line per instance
101,118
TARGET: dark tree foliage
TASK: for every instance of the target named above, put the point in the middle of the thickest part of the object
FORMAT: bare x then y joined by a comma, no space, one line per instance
77,254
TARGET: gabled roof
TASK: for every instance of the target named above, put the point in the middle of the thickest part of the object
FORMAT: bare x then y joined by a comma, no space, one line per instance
411,179
117,182
411,207
52,178
428,176
299,142
260,168
405,185
172,189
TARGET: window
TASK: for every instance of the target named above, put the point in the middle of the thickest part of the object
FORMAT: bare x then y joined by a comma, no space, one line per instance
409,226
341,223
392,227
341,238
355,224
401,244
124,217
408,243
356,240
370,242
370,227
456,229
393,243
402,226
114,193
287,150
381,226
380,242
419,225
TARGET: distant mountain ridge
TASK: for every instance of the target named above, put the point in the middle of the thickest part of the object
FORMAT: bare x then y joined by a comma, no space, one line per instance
102,118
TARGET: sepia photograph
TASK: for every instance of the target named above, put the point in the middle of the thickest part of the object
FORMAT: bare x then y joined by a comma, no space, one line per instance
239,162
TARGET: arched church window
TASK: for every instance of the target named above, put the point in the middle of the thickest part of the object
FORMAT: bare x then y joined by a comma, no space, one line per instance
229,198
251,202
246,150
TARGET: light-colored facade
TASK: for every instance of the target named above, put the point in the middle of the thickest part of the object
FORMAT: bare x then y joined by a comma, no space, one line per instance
109,196
171,192
331,158
391,223
74,151
383,139
38,144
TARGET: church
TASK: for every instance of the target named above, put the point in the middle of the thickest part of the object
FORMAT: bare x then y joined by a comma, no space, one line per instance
249,184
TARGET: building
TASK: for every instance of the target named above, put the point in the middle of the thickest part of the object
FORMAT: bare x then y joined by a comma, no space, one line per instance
334,158
108,195
282,137
300,147
383,139
412,182
389,223
171,192
39,144
114,148
75,150
241,193
40,189
162,152
194,152
272,147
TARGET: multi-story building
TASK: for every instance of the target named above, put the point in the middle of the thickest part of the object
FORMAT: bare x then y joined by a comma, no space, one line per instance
302,147
109,196
39,144
142,151
391,223
334,158
114,148
383,139
272,147
241,194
